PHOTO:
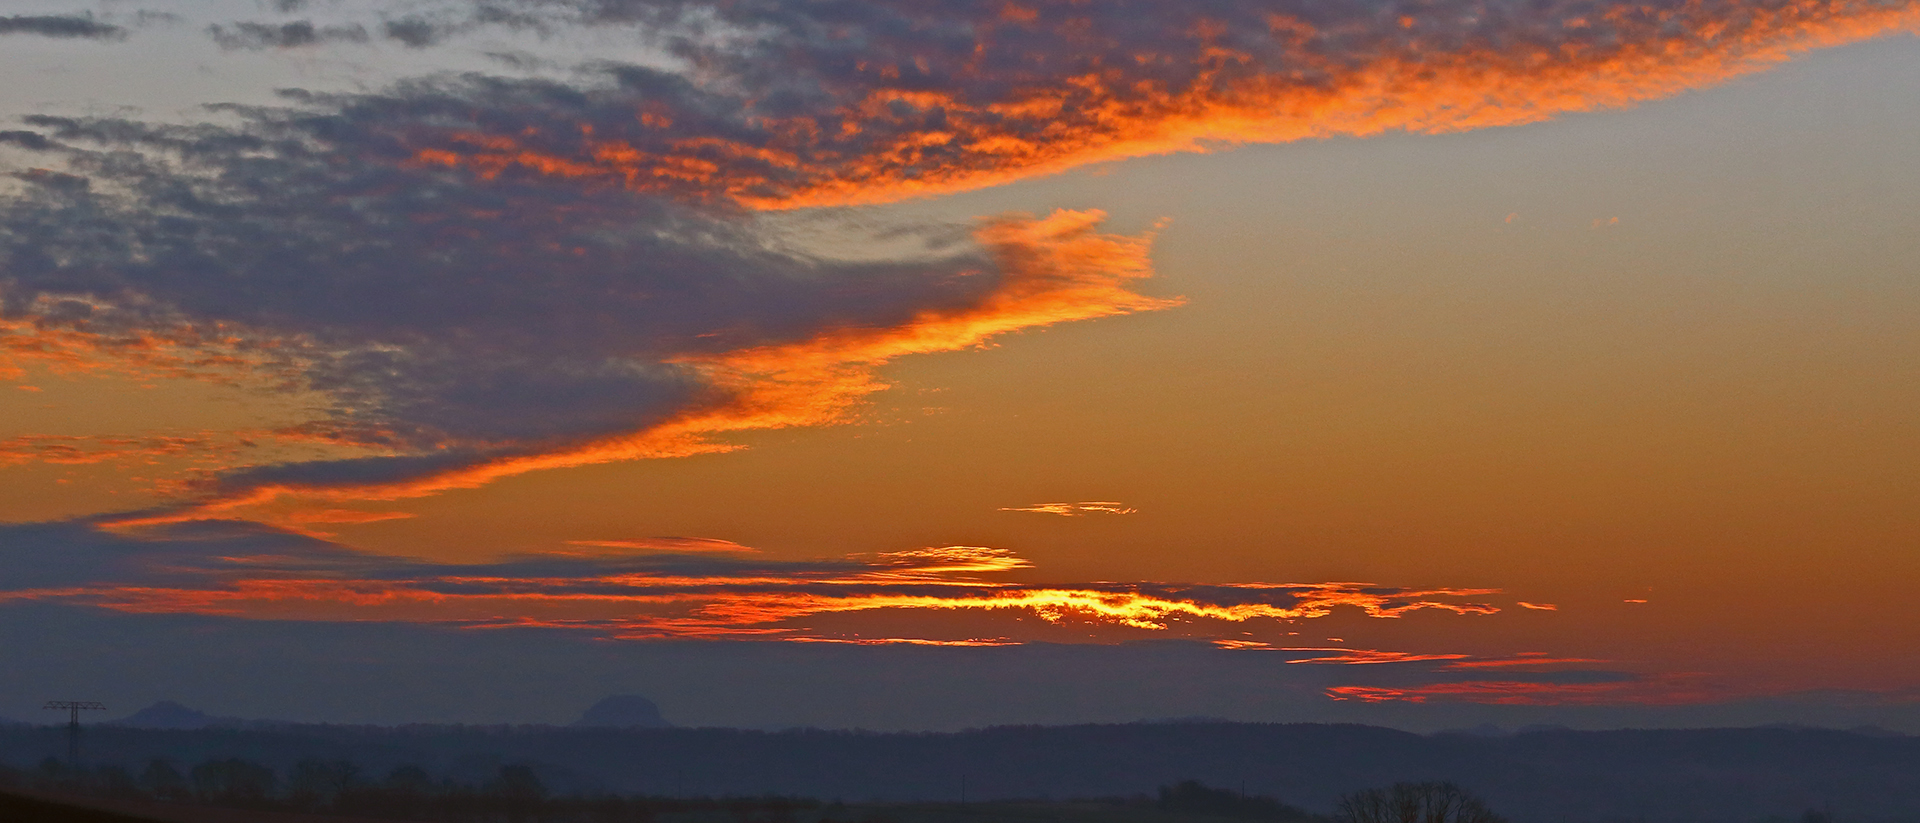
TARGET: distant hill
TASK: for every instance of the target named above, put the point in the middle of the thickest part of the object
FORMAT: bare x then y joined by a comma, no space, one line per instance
623,711
167,714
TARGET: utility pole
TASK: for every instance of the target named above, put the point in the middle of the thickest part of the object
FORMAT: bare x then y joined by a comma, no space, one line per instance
74,707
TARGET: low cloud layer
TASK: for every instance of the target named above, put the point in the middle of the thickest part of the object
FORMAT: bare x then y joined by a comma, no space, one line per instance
693,589
663,588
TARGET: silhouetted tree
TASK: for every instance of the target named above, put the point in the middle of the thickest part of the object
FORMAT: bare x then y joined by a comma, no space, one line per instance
115,781
161,779
320,782
1415,803
408,779
1194,796
51,769
518,791
233,781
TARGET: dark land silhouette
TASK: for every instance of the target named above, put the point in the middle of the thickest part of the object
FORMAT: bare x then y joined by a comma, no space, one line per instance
1550,776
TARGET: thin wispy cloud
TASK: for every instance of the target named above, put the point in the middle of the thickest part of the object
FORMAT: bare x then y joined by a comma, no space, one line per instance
1075,509
1611,689
665,544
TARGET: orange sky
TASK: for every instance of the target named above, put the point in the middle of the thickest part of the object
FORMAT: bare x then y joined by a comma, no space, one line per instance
1423,349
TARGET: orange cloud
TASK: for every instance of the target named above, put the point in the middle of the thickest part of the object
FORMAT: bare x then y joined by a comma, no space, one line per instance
941,123
1669,690
1522,660
1363,657
82,450
1075,509
1055,269
666,544
216,352
682,595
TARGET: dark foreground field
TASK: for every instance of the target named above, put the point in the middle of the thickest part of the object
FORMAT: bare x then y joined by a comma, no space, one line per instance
18,806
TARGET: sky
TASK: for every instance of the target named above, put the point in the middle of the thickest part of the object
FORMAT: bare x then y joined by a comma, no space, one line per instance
895,364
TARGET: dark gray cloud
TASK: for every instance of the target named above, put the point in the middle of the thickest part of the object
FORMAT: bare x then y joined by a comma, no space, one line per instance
26,140
63,26
439,308
248,35
417,32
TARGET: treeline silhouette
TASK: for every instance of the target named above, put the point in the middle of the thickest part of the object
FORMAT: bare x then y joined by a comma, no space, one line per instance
1197,797
516,795
1656,776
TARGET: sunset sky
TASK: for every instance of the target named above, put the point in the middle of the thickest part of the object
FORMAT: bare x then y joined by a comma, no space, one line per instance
910,364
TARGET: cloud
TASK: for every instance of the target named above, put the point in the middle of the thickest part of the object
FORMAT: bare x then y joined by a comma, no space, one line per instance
80,450
1612,689
250,36
788,104
248,570
62,26
486,276
1363,657
1075,509
466,329
1521,660
666,544
416,32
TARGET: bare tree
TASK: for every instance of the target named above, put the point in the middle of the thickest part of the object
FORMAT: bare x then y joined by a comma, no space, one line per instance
1415,803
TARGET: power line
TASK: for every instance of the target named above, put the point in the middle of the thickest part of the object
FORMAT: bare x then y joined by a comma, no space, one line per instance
74,708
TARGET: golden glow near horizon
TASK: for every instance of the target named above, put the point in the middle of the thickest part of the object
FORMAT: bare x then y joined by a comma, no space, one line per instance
461,354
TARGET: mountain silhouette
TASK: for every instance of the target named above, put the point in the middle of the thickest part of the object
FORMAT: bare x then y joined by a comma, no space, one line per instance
623,711
167,714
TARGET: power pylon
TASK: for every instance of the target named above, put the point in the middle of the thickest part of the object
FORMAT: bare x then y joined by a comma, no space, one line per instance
74,708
